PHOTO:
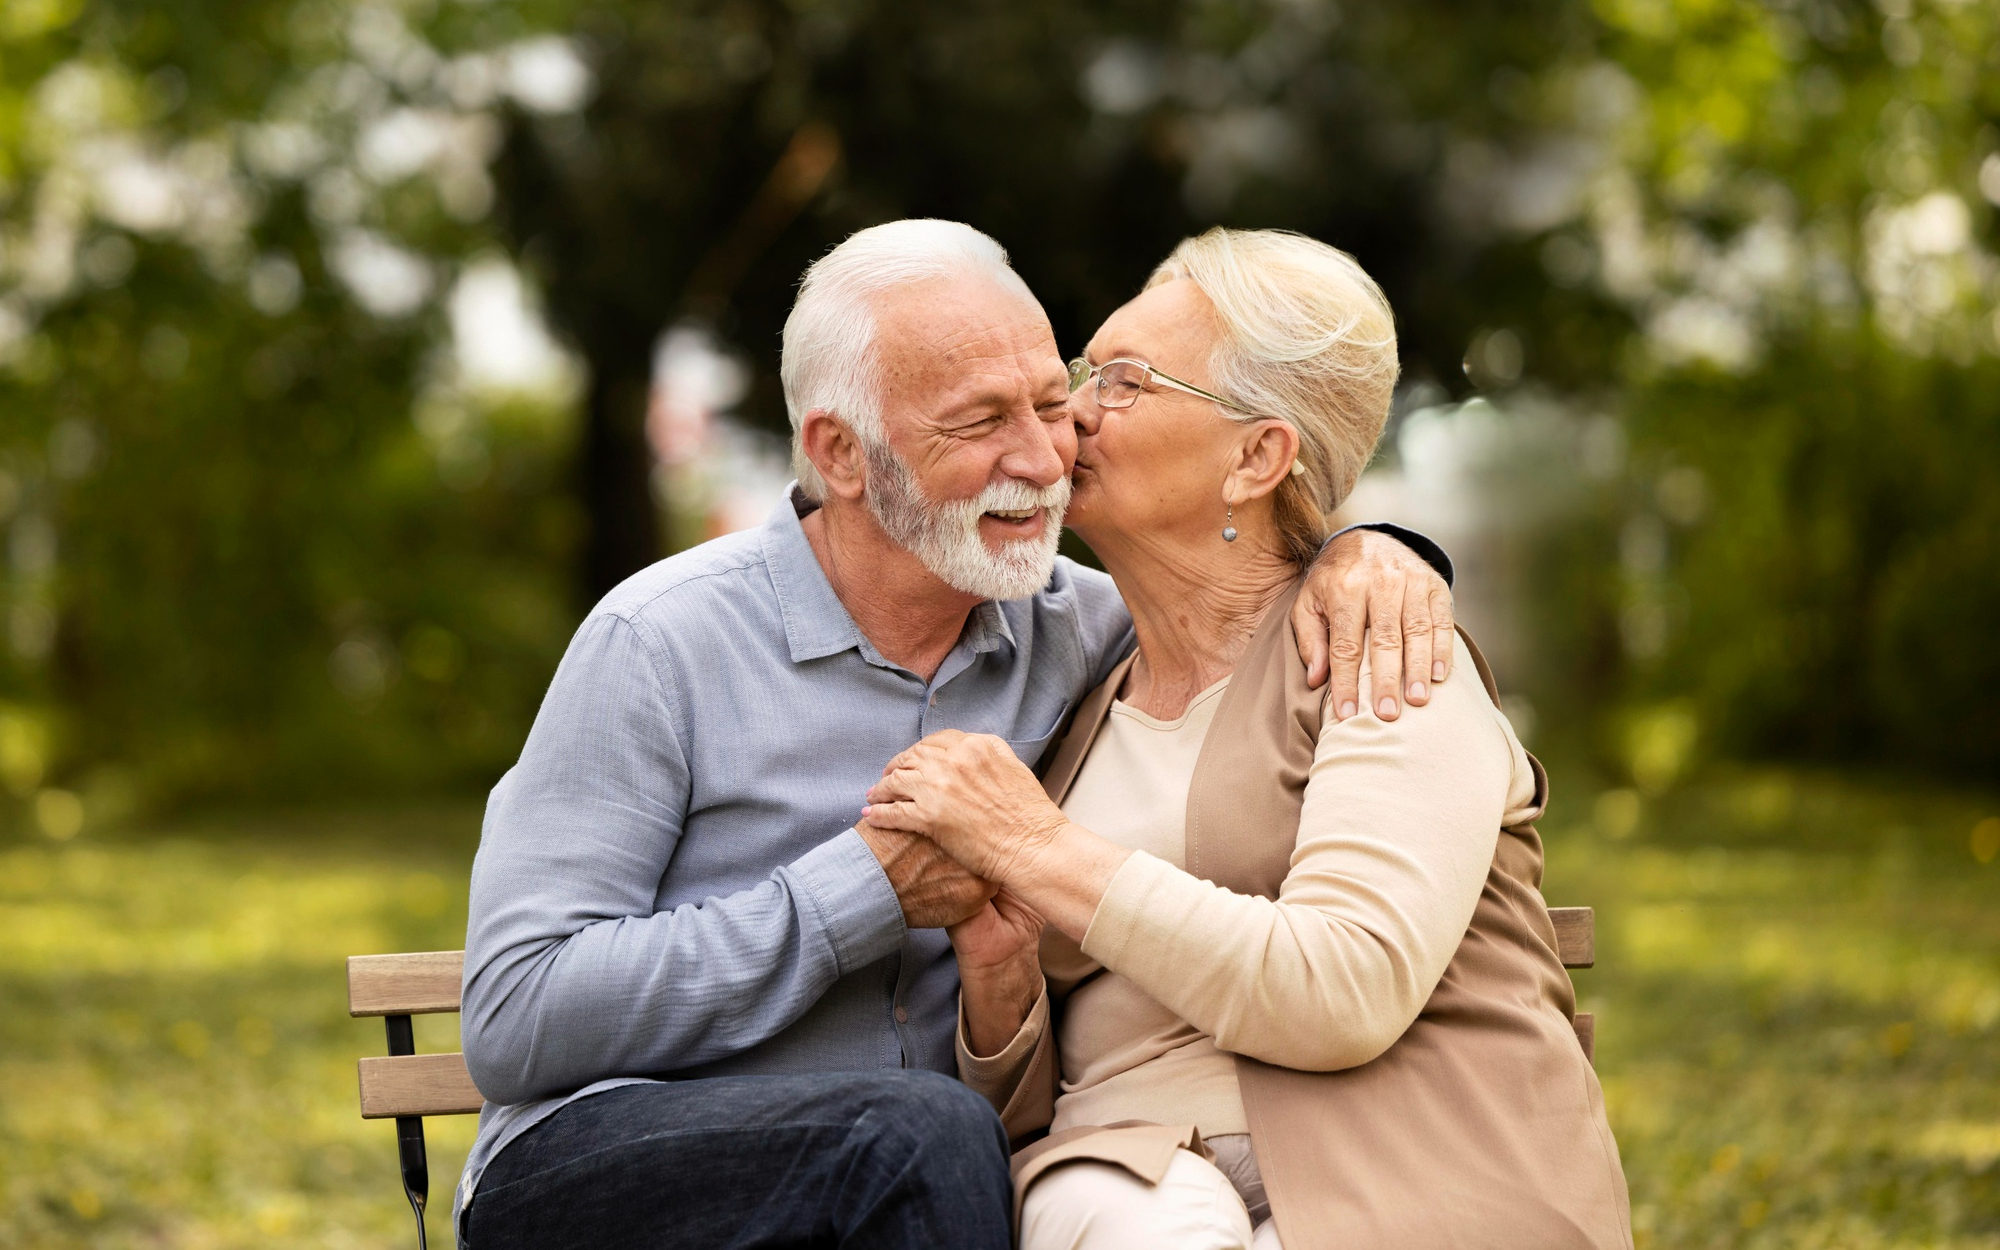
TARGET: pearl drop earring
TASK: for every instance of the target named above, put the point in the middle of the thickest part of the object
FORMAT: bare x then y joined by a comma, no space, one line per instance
1229,528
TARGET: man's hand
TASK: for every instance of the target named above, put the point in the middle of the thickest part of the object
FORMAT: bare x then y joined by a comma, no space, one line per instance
935,890
1368,583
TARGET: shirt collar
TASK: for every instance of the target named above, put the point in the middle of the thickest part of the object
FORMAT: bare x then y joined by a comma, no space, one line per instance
817,623
989,628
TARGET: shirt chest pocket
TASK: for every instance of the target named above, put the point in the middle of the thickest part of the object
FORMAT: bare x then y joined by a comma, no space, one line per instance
1030,748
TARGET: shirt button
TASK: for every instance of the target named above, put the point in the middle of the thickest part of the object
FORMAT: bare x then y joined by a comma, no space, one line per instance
902,1015
934,698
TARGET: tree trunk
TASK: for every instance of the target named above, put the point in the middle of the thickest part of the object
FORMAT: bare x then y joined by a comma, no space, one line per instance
622,534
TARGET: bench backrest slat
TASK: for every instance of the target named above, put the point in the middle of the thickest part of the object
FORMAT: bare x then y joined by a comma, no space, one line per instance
1585,1024
396,1085
404,985
1576,935
428,981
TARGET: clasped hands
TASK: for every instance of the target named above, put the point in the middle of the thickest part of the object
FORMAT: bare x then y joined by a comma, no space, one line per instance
959,812
960,824
953,820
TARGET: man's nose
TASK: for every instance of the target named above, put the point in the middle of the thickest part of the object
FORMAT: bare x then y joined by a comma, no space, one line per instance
1044,453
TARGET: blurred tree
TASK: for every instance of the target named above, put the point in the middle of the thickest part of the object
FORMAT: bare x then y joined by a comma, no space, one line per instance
1796,207
287,509
1089,139
236,564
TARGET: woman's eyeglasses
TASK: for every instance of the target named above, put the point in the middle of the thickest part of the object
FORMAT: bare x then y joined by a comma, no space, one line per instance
1120,382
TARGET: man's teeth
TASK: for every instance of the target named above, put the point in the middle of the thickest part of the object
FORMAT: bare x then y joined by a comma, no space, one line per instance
1014,514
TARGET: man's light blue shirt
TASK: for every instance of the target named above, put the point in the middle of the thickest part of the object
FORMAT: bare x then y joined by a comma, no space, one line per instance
669,883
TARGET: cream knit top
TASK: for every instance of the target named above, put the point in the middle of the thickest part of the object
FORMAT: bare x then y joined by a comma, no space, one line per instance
1124,1056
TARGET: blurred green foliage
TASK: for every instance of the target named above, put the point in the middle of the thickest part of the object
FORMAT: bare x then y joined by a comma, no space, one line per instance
268,532
1803,223
262,540
1798,998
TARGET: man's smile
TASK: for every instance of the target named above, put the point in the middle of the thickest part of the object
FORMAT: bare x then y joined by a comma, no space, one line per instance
1014,524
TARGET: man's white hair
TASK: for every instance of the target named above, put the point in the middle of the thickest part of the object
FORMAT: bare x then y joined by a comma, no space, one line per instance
829,359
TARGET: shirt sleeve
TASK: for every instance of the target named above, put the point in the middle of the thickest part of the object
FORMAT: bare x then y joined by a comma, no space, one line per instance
1396,837
571,976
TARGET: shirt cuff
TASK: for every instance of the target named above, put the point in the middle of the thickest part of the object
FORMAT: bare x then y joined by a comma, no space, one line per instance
995,1077
856,905
1429,552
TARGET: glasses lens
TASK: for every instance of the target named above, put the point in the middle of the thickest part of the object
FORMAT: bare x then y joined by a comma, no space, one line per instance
1079,373
1119,384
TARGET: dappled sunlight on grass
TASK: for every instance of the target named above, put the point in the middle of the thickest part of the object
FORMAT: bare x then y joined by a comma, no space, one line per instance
1798,993
1797,924
1797,1026
178,1064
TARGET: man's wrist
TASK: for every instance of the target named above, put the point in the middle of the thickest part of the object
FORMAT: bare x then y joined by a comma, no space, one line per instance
850,892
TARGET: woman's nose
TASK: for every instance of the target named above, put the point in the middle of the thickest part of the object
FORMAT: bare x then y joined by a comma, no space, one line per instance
1086,414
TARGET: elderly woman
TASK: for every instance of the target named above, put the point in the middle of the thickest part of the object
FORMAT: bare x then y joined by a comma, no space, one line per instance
1306,985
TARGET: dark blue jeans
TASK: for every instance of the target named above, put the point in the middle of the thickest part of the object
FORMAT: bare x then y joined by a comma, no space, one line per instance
896,1160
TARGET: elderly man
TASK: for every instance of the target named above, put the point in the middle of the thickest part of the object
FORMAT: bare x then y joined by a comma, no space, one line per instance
704,1009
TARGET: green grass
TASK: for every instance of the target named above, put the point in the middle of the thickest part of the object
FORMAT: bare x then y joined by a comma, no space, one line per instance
1798,989
176,1060
1798,994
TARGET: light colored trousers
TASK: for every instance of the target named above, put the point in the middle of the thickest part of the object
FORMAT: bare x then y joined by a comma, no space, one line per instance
1101,1206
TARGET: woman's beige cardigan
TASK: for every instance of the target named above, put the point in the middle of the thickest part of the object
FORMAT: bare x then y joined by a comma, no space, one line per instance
1483,1125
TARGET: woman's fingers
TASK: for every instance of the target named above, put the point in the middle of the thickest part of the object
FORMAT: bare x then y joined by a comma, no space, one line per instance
911,757
903,817
1417,645
902,783
935,746
1443,630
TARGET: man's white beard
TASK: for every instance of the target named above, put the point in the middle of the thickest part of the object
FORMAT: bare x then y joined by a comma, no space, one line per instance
945,536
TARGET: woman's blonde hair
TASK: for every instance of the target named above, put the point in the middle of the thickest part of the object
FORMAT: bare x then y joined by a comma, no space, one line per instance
1309,339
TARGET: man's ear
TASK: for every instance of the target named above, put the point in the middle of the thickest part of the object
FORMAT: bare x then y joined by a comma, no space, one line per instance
1263,459
834,451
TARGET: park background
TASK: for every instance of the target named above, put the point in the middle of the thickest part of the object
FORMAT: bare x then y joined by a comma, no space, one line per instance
349,350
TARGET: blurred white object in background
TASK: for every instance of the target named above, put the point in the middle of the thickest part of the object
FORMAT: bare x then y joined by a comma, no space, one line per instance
499,339
1479,477
708,467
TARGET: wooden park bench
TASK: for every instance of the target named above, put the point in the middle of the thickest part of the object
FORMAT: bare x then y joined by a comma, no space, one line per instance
406,1086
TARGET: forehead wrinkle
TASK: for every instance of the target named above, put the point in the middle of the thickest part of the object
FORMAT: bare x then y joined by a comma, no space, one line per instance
934,324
